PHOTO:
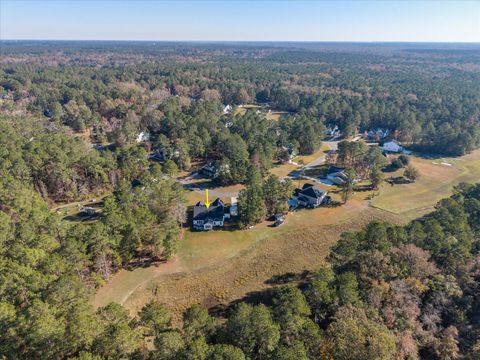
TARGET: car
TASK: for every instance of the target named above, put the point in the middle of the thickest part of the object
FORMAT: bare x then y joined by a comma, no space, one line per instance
278,222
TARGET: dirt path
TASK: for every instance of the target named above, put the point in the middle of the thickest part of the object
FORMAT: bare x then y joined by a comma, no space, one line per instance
125,282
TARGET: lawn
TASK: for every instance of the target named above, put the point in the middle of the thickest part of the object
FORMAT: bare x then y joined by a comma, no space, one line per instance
436,181
282,170
317,154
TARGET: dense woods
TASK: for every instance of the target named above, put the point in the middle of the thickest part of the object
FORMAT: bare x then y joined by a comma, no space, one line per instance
428,98
83,120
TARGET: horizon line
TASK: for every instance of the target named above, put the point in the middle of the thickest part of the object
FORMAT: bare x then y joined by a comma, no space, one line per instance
257,41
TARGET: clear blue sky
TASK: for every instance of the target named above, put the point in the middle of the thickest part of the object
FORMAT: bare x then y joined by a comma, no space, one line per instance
449,21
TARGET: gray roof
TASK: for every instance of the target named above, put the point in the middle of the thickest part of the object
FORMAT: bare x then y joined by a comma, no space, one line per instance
310,190
216,211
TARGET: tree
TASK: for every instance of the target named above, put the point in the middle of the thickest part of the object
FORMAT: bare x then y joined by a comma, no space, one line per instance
448,346
376,177
251,205
411,173
225,352
119,339
197,322
170,168
168,344
276,194
155,317
356,335
348,187
252,329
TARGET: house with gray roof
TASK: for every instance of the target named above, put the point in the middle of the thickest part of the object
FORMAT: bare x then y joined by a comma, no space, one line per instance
208,218
308,196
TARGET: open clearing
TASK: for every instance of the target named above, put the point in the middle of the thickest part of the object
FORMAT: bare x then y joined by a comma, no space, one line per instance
217,268
437,177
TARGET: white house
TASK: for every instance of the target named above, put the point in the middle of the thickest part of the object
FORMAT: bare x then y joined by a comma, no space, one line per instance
227,109
143,136
392,146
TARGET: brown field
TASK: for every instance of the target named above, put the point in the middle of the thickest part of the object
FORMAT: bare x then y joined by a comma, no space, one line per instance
275,115
219,267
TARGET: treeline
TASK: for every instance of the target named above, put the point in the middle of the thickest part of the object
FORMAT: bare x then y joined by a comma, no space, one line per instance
428,101
388,292
143,207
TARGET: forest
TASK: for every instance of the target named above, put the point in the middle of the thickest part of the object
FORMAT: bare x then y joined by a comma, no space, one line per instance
428,98
74,120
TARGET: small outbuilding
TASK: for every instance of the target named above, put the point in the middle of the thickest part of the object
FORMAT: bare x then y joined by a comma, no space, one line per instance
392,146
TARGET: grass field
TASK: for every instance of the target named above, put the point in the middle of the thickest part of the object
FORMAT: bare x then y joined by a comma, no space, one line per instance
437,177
218,267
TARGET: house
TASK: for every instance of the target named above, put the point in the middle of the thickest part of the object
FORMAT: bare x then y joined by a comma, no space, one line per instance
308,196
87,210
227,109
207,218
143,136
209,170
291,151
376,134
337,175
158,154
392,146
333,130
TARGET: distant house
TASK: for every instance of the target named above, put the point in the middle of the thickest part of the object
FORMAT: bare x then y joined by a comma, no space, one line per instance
227,109
337,175
143,136
207,218
392,146
308,196
376,134
209,170
333,130
158,154
291,151
87,211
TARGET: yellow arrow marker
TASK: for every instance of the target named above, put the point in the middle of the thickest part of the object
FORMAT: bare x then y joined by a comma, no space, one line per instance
207,203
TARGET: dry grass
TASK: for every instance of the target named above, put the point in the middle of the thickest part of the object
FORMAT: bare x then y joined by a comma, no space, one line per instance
218,267
275,115
283,170
317,154
290,250
436,182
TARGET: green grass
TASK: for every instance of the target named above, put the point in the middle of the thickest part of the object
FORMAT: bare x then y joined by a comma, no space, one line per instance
435,183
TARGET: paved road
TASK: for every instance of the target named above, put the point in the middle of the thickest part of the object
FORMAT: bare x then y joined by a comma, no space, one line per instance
333,145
